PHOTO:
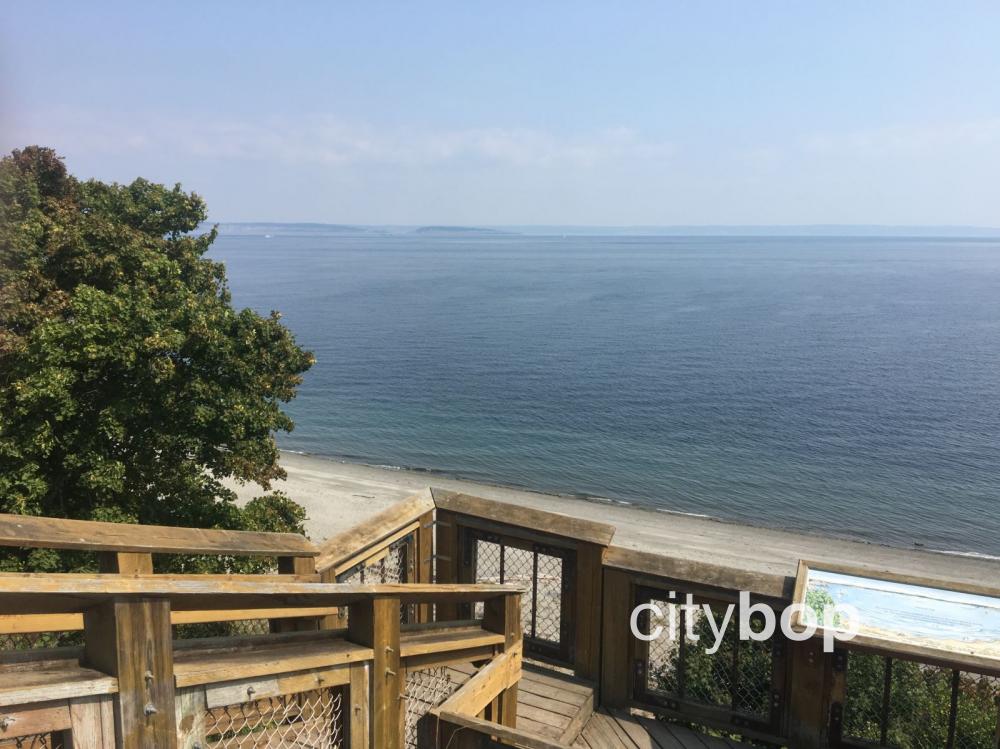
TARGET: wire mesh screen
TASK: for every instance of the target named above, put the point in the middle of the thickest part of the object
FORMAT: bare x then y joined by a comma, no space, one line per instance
32,741
736,677
38,640
911,705
425,689
310,720
395,566
240,628
539,574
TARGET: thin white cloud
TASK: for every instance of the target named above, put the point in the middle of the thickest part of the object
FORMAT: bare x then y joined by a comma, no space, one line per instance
328,140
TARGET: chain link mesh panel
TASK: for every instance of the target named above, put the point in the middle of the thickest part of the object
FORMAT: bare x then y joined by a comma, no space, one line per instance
310,720
239,628
38,640
392,567
738,676
537,574
425,689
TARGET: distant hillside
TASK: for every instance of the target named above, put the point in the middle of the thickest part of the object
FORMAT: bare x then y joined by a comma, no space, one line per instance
463,230
276,229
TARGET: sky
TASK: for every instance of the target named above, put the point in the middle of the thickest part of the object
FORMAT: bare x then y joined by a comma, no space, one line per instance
610,114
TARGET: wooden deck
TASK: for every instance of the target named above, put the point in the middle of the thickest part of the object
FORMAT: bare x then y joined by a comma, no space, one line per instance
618,730
550,704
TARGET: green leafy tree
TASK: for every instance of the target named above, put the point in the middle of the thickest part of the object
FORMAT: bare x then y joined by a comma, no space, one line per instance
130,387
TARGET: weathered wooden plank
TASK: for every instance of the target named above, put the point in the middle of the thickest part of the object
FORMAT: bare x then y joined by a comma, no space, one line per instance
700,572
193,667
125,563
358,726
48,682
808,696
191,715
23,593
449,641
375,624
446,557
424,563
551,523
131,639
40,717
503,615
27,531
92,724
355,542
492,679
589,590
616,668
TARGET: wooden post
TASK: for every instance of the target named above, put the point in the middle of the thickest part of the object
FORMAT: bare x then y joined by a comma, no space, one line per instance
131,639
807,694
589,591
125,563
503,615
375,624
296,566
424,563
616,637
447,559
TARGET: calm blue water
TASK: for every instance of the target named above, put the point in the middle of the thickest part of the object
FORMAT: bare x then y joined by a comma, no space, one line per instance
849,386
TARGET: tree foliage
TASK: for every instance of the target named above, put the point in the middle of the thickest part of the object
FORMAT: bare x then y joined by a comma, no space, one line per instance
130,387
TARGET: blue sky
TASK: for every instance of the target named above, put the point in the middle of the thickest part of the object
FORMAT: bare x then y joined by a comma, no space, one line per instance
523,113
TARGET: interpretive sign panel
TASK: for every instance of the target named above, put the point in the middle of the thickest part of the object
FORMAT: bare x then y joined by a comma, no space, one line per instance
901,613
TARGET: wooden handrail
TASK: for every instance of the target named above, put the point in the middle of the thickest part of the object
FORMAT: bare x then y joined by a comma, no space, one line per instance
551,523
352,546
501,673
27,593
28,531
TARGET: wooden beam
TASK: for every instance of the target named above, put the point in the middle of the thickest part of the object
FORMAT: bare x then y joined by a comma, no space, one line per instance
486,684
423,565
125,563
296,566
808,695
359,720
503,615
447,559
375,624
550,523
589,592
355,542
616,666
776,585
27,531
132,640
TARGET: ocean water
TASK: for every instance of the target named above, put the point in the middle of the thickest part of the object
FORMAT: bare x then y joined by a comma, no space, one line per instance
842,385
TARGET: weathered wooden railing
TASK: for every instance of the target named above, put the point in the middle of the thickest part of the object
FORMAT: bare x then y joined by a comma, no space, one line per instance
340,658
130,683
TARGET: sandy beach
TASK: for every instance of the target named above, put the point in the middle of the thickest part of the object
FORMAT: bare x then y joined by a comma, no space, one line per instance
339,495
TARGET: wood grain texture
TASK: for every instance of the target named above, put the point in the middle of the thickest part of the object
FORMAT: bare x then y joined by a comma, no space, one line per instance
616,666
132,640
551,523
360,539
26,531
375,624
589,591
